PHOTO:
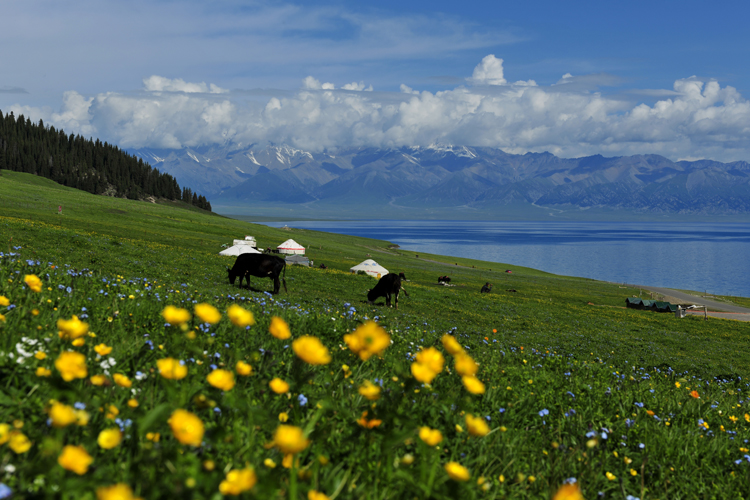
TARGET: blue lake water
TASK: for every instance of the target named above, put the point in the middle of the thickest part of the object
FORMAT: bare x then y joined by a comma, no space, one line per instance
695,256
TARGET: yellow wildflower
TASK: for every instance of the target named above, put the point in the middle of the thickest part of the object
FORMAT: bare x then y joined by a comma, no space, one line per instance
82,418
430,436
153,436
243,369
269,463
98,379
473,385
465,365
240,316
290,439
316,495
207,313
71,365
112,412
43,372
610,476
279,328
4,301
175,315
18,442
367,340
171,368
109,438
221,379
122,380
431,358
61,415
283,416
75,459
568,492
102,349
457,472
238,481
72,328
4,433
40,355
311,350
477,426
370,391
186,427
133,403
278,386
451,344
119,491
33,282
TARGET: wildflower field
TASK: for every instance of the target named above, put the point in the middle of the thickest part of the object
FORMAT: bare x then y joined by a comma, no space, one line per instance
130,368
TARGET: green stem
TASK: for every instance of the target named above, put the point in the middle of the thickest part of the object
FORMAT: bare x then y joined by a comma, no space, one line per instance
293,480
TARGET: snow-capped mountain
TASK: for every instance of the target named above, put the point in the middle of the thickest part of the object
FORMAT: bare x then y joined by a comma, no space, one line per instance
444,176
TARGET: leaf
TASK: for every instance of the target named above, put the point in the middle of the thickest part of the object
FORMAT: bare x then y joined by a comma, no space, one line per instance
151,417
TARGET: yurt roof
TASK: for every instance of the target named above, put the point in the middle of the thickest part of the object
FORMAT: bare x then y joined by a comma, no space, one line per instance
290,245
370,265
238,249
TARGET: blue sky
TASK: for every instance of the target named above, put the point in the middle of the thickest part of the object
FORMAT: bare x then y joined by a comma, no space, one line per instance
187,73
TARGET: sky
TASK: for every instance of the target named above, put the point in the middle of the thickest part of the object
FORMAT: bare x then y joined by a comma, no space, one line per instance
573,78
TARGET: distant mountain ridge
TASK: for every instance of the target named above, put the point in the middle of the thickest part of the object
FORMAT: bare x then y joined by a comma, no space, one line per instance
455,176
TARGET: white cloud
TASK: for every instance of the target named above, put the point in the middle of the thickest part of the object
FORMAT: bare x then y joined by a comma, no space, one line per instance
357,86
311,83
489,72
697,118
160,84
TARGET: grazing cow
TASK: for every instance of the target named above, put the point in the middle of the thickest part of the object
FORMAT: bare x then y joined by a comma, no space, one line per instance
260,265
390,284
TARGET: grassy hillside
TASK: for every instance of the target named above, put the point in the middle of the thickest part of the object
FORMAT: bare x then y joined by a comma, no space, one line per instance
566,369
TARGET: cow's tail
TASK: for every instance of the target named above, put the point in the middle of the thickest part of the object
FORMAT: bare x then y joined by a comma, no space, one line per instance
283,278
404,290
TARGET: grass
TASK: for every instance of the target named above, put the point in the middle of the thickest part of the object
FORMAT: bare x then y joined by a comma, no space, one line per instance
576,385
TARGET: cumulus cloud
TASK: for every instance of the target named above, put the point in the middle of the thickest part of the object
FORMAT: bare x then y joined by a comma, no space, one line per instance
357,86
696,118
489,72
160,84
311,83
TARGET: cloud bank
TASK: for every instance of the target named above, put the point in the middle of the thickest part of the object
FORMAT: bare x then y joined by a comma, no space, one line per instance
697,118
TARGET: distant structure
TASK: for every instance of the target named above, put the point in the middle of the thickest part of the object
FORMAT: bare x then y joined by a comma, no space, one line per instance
291,247
370,267
239,247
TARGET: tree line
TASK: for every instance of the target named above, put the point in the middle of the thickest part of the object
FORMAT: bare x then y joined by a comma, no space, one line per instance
85,164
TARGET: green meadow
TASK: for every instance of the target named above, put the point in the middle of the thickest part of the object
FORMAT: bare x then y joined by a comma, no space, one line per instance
576,388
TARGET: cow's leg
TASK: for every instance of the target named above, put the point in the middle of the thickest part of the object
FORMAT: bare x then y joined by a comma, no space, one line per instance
276,284
388,299
395,297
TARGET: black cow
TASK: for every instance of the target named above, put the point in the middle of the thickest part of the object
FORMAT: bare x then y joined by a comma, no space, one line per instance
388,284
260,265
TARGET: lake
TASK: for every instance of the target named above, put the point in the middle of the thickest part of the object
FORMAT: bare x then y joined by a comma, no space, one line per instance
710,257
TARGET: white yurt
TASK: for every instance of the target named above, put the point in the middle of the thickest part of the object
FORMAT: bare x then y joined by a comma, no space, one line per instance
241,246
370,267
291,247
238,249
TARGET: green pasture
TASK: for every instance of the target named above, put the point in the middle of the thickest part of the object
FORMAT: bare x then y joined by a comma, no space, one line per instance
552,345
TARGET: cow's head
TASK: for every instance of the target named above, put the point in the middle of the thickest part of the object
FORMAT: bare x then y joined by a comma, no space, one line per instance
371,296
232,276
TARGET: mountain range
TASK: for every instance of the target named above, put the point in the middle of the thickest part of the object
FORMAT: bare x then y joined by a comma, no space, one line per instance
479,179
